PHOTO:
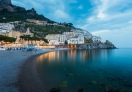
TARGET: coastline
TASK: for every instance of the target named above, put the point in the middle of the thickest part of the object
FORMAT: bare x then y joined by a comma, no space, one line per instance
20,73
28,79
11,63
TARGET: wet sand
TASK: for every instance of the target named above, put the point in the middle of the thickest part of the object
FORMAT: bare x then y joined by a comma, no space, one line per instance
28,79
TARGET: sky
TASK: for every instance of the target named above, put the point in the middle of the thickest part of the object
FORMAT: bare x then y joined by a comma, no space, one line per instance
109,19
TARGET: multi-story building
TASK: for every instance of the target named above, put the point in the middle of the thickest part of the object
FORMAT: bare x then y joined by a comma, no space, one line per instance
53,39
6,26
76,40
69,34
70,37
62,39
16,34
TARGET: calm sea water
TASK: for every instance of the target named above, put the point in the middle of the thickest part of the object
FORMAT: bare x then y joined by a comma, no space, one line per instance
87,70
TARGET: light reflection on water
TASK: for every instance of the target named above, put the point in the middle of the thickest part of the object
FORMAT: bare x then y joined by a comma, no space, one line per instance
92,70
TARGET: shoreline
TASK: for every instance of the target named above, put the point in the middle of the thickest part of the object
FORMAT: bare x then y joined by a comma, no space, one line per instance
17,65
28,79
11,63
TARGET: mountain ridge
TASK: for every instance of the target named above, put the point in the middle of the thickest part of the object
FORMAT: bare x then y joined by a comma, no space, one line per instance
10,12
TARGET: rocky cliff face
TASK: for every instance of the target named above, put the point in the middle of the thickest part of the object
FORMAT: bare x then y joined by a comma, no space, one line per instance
6,5
17,13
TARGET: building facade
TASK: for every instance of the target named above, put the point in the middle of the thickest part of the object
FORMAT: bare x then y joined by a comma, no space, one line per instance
70,37
76,40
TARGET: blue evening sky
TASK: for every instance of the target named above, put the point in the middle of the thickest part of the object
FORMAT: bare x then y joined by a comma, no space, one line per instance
110,19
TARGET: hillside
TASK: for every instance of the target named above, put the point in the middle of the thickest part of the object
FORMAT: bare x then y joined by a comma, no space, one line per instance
10,12
42,31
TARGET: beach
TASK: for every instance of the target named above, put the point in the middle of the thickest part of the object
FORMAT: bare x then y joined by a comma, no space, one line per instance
29,79
18,71
11,63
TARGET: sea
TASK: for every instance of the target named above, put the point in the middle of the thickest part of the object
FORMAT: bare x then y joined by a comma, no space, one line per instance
104,70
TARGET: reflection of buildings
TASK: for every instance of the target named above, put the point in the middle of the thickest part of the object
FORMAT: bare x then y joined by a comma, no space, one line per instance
49,56
71,56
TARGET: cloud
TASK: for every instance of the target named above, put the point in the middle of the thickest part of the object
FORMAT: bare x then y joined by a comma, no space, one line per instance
101,32
121,37
61,14
111,20
56,10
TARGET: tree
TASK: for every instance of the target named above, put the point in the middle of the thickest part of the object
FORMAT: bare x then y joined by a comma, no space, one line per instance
45,40
7,39
66,42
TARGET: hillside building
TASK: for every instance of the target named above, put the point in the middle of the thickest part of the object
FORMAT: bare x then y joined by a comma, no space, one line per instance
70,37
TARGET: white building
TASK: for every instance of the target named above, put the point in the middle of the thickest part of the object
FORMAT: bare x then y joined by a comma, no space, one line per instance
2,31
6,26
76,40
53,39
56,39
96,39
70,37
62,39
69,34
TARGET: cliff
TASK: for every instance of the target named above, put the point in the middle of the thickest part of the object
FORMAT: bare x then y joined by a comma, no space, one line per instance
10,12
98,45
6,5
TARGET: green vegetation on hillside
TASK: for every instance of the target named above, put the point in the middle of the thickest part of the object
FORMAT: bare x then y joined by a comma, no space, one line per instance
7,39
34,38
21,15
42,31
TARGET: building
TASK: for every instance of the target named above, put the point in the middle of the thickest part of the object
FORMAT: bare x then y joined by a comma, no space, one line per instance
70,37
37,22
69,34
28,32
76,40
53,39
6,26
62,39
96,39
56,39
3,31
16,34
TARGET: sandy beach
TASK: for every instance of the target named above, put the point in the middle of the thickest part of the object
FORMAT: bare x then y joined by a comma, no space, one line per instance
11,63
28,79
18,71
